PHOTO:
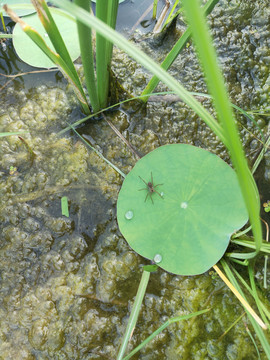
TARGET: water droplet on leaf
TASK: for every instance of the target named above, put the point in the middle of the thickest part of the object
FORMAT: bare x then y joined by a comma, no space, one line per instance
129,215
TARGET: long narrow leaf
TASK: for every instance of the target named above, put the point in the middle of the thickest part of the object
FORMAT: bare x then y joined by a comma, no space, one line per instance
56,38
145,61
13,133
161,328
258,329
240,297
102,70
172,55
87,55
134,313
214,79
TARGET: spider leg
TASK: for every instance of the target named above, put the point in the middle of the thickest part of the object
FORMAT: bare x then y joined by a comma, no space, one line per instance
143,180
143,189
146,197
158,193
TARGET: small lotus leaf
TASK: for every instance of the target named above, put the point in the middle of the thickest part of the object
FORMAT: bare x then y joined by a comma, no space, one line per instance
30,53
185,223
19,12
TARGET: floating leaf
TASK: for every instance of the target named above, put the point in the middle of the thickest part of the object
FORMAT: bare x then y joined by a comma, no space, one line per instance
30,53
185,224
21,7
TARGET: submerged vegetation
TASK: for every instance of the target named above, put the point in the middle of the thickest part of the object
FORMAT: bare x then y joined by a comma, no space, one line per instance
96,261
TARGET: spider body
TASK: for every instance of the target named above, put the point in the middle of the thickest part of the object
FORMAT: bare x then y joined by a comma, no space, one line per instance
151,188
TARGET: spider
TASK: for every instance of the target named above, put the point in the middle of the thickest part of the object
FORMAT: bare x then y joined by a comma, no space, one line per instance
151,188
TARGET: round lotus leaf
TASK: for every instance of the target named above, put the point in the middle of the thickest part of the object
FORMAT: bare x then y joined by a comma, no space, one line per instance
179,206
17,6
30,53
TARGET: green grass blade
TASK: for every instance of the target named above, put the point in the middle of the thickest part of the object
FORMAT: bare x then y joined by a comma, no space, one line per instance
102,70
51,28
260,157
6,36
172,55
214,79
259,331
172,15
250,244
161,328
59,44
145,61
3,22
134,313
13,133
154,15
111,21
108,14
87,56
255,293
243,282
64,206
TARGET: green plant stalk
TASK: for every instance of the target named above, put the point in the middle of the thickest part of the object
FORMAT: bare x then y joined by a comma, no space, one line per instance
265,272
111,21
259,331
87,56
240,297
59,45
6,36
134,313
254,343
264,308
102,72
145,61
154,15
172,55
172,15
231,326
214,79
250,244
161,328
106,13
260,157
2,134
51,28
3,22
254,291
251,119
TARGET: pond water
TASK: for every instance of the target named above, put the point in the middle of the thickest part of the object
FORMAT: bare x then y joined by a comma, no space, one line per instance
67,285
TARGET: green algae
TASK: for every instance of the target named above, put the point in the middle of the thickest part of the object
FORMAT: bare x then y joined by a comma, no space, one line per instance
67,284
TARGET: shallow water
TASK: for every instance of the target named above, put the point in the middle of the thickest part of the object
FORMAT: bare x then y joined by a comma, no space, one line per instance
67,284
